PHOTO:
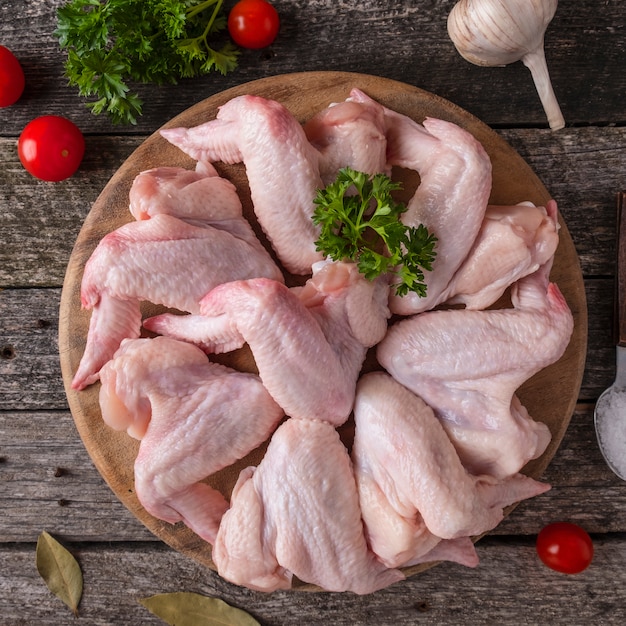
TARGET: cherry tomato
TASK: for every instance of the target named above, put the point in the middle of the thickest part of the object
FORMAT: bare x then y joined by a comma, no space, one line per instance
11,78
253,23
51,147
565,547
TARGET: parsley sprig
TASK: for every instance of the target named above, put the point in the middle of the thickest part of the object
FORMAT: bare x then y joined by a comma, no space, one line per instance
360,222
111,43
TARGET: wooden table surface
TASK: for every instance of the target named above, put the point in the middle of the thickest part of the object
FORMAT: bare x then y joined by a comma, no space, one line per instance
47,480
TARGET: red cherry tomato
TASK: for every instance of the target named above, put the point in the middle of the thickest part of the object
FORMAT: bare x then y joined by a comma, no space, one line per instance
51,147
565,547
11,78
253,23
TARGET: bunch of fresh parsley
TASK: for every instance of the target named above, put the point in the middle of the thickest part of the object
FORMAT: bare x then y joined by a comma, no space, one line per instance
360,222
110,43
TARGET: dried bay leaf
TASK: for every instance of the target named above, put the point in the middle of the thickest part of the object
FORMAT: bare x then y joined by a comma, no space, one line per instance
60,570
192,609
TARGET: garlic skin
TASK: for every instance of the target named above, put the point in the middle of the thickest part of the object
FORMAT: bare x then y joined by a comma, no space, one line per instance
499,32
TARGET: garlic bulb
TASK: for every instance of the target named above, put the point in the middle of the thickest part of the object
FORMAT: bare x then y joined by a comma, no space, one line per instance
499,32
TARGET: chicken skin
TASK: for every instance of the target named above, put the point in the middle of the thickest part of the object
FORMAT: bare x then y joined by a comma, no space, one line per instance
193,418
173,256
467,365
413,489
281,165
451,199
349,134
309,342
297,514
513,242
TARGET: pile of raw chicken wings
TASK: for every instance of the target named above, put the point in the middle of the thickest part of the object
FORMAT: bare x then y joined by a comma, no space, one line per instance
440,435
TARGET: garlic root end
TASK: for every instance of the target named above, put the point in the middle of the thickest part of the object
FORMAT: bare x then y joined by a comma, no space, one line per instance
535,61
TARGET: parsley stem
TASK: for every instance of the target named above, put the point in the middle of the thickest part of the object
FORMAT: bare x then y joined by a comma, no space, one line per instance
209,25
198,8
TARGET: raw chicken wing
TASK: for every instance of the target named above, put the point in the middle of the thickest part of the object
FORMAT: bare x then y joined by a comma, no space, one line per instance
297,514
309,343
193,418
349,134
281,165
467,365
197,196
513,241
173,256
413,489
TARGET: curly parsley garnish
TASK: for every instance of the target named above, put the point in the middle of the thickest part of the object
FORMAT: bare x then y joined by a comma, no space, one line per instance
112,42
360,222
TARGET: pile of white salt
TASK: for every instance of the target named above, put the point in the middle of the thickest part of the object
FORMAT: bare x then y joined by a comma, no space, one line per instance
612,429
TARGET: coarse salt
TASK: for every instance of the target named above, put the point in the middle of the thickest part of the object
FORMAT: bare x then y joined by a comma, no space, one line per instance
612,428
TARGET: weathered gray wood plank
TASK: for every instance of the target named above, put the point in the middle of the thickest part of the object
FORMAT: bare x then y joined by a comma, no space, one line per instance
445,594
600,362
39,221
30,371
403,40
49,479
50,483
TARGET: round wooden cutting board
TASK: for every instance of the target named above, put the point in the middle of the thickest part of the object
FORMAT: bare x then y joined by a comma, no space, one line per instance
550,396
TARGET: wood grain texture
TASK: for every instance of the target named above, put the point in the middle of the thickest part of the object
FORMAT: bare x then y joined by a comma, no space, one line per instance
582,166
40,221
619,325
30,371
550,396
29,362
442,595
399,39
49,480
